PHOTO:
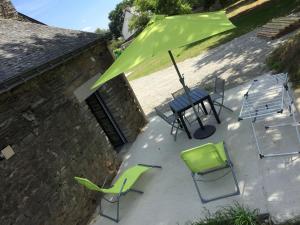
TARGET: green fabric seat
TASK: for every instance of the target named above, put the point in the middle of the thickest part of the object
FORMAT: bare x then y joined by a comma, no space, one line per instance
123,185
206,159
132,174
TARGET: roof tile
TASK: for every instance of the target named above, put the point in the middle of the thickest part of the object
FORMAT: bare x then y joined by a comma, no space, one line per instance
25,46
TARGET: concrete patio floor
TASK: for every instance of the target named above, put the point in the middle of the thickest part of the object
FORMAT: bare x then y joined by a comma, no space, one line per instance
271,184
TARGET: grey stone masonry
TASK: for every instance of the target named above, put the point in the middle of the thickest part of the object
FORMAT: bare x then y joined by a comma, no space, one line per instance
7,10
55,137
124,106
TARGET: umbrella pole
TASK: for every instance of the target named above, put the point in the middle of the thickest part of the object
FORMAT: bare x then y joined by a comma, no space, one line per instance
203,131
181,79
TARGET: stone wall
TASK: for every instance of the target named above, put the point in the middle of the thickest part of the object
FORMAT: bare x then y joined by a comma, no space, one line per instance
56,138
7,10
124,106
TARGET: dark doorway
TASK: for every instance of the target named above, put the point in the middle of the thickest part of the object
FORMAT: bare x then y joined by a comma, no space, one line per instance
106,120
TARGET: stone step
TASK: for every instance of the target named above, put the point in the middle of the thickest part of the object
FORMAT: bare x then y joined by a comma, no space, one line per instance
268,33
279,26
286,19
268,30
285,23
276,25
267,36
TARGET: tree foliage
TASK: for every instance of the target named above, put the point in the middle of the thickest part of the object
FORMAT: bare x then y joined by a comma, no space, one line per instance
146,8
104,33
116,17
172,7
101,31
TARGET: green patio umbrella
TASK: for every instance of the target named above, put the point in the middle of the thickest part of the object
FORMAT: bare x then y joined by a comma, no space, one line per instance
162,34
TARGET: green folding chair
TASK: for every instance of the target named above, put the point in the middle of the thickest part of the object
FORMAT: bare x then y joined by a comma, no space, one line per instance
206,159
121,187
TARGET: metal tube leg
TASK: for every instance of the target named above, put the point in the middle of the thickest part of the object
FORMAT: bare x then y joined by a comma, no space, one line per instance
220,105
229,109
151,166
185,127
109,217
197,188
296,127
172,129
261,155
175,136
203,108
100,206
228,165
186,119
235,178
236,192
118,210
224,106
137,191
213,109
118,204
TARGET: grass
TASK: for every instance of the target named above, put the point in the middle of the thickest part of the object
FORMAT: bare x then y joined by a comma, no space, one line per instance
245,18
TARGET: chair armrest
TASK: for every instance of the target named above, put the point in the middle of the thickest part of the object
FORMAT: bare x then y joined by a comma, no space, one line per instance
147,165
122,187
102,186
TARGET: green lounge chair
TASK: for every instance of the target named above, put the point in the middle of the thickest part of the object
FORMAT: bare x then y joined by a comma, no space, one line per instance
206,159
121,187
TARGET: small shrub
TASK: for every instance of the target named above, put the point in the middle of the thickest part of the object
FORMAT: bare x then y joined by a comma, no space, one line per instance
286,58
239,215
117,52
231,215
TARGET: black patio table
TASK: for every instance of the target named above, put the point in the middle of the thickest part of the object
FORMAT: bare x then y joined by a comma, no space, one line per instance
181,104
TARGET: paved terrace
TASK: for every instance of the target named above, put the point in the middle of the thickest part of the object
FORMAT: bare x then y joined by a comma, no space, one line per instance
170,198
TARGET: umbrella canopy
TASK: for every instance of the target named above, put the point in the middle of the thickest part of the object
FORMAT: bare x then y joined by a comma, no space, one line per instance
166,33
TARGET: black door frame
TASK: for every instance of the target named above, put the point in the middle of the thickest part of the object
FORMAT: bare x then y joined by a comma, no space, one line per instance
110,116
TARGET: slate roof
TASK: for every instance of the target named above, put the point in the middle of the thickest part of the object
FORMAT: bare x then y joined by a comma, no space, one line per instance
26,48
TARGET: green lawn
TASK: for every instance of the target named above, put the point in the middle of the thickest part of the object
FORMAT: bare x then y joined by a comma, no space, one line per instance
245,22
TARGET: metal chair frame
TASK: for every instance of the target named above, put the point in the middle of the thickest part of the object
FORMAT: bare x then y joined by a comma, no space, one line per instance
229,165
219,93
121,193
172,120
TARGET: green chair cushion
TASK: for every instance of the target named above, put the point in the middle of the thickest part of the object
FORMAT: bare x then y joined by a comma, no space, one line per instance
132,174
205,157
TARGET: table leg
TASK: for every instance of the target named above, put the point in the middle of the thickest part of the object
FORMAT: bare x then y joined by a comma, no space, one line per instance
204,108
213,109
179,122
185,127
